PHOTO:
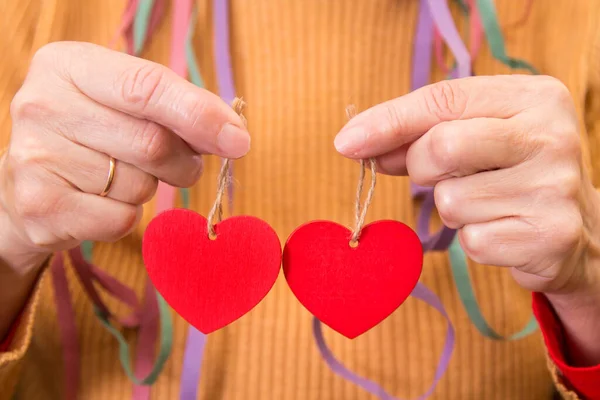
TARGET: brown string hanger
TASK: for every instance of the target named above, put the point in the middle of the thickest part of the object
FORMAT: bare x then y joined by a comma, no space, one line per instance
360,214
223,179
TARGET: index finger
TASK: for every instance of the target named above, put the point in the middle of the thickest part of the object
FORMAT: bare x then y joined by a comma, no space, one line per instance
391,124
151,91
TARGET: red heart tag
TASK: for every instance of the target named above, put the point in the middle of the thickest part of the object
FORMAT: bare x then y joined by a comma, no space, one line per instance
211,283
352,289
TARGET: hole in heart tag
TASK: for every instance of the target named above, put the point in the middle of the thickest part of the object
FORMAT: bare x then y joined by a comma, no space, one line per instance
353,280
211,274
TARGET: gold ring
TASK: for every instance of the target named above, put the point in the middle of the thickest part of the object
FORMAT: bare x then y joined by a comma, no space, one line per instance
111,176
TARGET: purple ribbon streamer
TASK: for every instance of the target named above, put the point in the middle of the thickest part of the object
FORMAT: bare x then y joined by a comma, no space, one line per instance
440,13
430,11
224,69
222,51
196,340
434,12
192,363
420,292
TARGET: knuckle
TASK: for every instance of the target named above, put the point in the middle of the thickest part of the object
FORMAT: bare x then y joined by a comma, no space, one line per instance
568,181
143,188
566,142
447,204
52,60
567,231
553,89
30,105
445,100
473,243
563,183
142,84
29,151
151,143
444,146
129,217
48,53
189,180
32,201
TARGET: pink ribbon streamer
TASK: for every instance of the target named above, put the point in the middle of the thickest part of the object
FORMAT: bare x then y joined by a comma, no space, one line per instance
145,316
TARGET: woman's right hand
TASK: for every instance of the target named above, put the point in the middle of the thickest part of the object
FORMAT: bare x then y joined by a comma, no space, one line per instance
80,105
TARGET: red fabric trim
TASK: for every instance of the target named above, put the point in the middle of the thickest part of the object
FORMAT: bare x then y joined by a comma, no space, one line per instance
583,380
5,344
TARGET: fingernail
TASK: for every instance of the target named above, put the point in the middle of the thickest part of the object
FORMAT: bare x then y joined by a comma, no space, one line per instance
350,141
233,142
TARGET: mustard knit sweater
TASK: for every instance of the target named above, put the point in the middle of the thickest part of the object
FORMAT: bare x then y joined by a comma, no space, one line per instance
298,64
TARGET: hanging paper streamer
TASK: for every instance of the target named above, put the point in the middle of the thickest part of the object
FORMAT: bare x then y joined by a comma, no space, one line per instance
224,68
87,248
67,328
140,25
421,292
460,272
421,71
89,274
458,260
441,16
195,342
145,316
495,39
420,75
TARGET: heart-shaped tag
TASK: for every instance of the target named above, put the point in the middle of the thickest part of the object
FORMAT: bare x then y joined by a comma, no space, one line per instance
352,289
211,282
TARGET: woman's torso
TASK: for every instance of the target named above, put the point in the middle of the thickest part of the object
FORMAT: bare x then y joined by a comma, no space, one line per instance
298,64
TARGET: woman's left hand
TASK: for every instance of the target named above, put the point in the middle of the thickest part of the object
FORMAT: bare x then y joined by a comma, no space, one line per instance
504,155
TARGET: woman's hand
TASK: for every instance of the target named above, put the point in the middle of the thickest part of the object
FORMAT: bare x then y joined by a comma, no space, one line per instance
504,155
81,104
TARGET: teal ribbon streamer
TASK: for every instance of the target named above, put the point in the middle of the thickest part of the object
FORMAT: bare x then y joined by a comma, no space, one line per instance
166,342
458,259
87,248
493,33
190,54
140,25
196,79
462,278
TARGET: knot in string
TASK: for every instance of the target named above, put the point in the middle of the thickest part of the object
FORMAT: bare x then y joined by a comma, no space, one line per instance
360,214
223,179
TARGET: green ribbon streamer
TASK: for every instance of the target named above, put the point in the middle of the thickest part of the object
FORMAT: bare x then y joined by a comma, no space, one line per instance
87,248
196,79
166,342
185,197
140,30
460,272
140,25
458,259
194,71
493,33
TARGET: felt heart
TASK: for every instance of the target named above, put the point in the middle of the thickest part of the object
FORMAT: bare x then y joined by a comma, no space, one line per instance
352,289
211,282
